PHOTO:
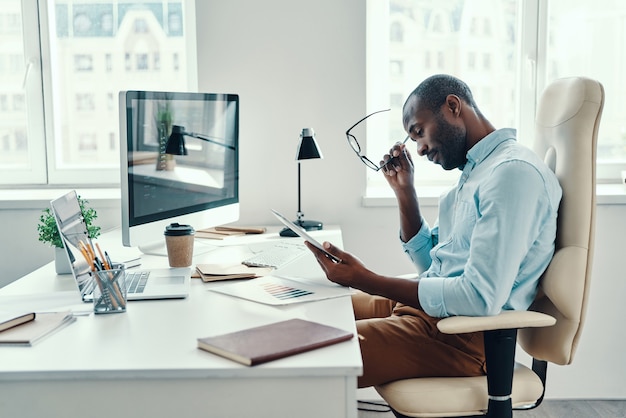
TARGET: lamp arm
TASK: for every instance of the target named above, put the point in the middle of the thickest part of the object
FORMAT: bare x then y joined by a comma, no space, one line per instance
208,139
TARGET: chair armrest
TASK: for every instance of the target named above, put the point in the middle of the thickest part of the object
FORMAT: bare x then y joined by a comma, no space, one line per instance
505,320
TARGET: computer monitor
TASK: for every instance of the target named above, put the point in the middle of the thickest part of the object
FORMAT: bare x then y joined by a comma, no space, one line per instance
200,188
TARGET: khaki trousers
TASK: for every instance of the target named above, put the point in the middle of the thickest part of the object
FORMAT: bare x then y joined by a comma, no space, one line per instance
399,342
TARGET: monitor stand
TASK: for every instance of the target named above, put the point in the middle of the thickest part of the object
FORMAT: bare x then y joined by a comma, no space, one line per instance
155,248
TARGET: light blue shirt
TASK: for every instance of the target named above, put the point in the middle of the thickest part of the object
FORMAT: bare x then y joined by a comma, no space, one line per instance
495,233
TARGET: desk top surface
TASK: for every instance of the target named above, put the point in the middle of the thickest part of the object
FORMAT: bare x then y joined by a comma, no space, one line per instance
157,339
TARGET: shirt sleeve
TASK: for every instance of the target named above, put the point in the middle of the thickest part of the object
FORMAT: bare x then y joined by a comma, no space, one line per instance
512,207
418,247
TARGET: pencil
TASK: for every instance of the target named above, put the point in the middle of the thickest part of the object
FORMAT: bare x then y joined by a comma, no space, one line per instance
83,250
104,260
90,250
116,288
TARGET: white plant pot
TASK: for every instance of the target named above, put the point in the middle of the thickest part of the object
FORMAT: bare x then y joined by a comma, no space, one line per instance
61,264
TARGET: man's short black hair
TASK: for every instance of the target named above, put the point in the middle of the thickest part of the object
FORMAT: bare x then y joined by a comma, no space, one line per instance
433,91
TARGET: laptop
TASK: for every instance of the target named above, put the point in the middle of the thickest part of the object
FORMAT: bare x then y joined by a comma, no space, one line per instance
166,283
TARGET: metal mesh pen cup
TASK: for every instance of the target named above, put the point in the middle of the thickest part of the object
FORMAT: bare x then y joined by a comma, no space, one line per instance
109,295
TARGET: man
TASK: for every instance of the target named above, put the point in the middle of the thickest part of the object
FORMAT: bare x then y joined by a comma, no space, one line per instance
493,239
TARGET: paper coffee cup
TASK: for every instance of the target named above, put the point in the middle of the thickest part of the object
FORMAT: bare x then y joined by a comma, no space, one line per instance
179,243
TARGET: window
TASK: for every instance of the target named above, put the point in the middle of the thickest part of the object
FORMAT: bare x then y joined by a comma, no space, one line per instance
108,62
396,68
396,32
83,62
471,60
587,38
68,60
85,102
507,51
142,62
141,26
157,61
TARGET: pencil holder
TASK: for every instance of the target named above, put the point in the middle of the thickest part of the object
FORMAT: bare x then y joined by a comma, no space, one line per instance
109,295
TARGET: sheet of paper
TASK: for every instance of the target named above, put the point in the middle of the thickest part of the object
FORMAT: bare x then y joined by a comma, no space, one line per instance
272,290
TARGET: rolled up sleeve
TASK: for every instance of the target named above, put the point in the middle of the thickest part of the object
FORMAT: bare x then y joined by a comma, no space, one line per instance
418,247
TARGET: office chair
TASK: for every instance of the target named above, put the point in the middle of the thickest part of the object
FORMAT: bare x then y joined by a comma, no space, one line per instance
566,132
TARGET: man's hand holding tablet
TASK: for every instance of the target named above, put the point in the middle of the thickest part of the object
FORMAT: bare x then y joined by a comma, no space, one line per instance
302,233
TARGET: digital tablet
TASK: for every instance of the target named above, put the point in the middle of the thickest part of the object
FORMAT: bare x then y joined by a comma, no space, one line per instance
301,232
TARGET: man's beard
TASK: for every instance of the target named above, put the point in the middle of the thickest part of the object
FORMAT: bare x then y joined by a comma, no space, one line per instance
451,144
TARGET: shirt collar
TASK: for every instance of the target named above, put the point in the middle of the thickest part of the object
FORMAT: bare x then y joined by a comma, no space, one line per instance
482,149
485,146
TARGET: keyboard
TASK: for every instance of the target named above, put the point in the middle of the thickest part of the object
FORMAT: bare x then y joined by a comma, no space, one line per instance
136,281
276,255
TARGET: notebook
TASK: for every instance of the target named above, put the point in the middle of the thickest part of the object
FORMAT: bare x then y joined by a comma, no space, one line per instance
274,341
166,283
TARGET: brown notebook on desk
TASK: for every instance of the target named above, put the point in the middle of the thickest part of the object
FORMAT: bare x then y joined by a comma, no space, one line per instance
244,229
10,320
223,232
265,343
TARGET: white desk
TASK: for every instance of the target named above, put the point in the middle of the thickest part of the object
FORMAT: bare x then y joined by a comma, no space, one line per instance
145,362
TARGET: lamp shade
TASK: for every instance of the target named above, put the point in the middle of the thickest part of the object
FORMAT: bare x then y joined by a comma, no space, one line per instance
176,142
307,148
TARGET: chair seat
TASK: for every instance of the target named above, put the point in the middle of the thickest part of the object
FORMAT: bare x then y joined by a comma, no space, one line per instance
456,396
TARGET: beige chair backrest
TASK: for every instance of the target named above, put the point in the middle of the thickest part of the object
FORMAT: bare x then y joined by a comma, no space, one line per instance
568,116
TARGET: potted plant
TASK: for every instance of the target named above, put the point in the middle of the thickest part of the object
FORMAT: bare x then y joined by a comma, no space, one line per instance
163,121
49,233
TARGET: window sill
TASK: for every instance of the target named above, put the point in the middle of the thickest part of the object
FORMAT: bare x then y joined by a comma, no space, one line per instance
606,194
40,198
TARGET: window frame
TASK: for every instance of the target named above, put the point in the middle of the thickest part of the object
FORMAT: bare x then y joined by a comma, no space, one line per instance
36,173
43,135
531,79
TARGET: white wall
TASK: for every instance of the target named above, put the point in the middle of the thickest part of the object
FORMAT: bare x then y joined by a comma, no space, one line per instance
296,64
301,64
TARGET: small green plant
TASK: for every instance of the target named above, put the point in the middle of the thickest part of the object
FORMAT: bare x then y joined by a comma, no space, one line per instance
49,233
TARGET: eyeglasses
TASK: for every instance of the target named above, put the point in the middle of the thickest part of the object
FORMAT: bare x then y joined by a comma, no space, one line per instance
357,148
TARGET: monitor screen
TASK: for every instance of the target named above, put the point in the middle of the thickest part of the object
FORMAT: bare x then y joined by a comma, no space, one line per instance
199,188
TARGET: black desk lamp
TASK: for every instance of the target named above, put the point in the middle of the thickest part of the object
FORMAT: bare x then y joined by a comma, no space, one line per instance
307,150
176,142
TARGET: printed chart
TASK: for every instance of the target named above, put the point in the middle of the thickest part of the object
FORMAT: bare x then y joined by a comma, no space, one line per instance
272,290
281,291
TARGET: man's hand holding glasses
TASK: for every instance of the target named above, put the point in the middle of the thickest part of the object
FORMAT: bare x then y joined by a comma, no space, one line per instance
356,147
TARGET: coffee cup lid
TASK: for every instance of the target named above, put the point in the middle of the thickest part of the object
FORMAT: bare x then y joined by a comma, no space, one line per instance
176,229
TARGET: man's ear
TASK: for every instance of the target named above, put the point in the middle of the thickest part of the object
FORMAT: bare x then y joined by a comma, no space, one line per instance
453,104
